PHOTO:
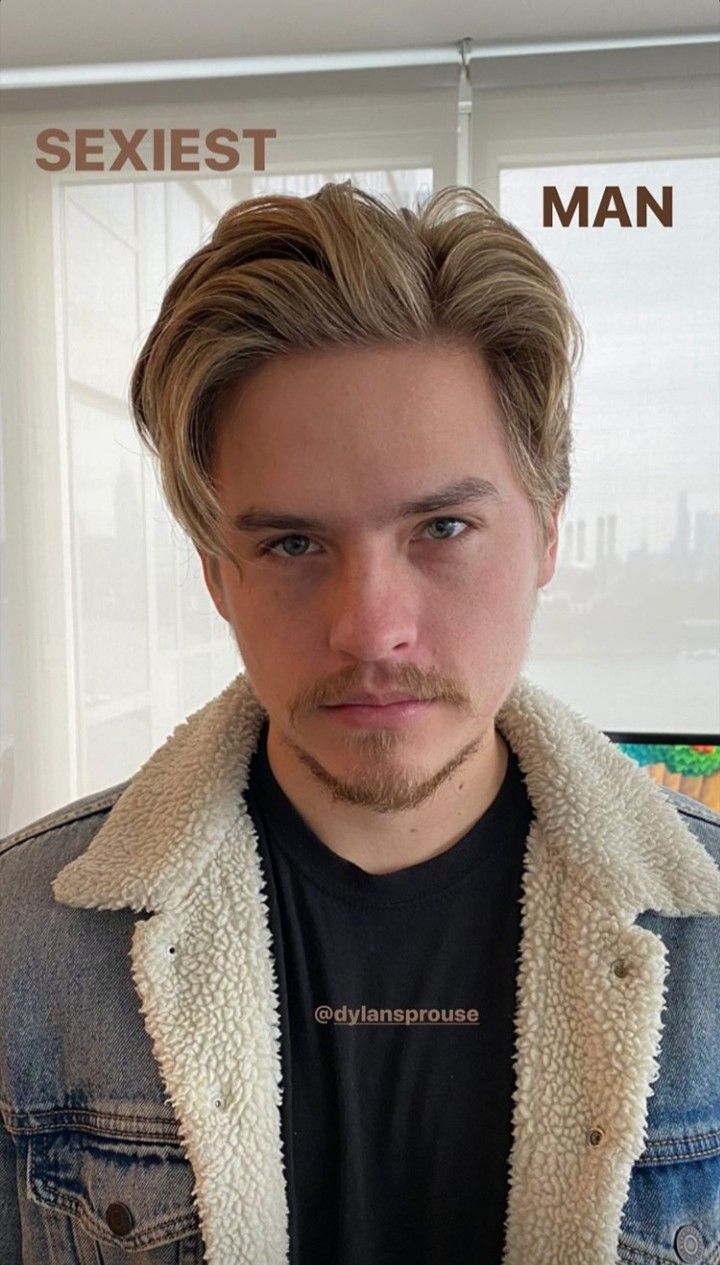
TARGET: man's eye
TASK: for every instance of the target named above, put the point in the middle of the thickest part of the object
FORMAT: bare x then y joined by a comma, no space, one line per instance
269,546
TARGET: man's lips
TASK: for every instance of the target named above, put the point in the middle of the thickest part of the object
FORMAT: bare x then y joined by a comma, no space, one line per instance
385,715
371,702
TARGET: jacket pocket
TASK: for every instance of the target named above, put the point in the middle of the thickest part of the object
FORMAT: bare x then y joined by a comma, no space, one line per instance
672,1213
110,1201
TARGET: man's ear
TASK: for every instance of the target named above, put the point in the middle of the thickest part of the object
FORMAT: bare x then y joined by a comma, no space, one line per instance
213,579
548,559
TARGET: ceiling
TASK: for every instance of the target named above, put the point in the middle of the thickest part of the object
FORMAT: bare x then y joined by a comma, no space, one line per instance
48,33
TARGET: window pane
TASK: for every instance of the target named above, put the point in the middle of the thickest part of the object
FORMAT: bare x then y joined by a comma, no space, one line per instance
629,627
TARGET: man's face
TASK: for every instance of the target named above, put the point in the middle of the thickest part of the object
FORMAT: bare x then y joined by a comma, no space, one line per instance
438,604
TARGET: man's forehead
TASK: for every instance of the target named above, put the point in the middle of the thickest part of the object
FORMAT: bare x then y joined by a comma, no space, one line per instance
377,364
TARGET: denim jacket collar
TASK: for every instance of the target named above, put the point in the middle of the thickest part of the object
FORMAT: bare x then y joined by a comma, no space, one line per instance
605,846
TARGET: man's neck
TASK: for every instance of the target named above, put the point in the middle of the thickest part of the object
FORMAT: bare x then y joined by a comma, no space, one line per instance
388,842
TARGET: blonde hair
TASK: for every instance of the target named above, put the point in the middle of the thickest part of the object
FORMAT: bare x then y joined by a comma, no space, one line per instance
283,274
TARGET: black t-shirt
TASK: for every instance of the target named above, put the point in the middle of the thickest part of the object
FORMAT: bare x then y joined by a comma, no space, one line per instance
396,1135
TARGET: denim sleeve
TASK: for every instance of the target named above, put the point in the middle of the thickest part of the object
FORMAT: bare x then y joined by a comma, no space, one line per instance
10,1234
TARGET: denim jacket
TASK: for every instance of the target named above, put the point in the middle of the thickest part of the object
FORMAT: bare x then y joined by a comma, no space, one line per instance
140,1070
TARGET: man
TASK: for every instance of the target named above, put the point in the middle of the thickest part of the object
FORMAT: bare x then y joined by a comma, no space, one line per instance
386,955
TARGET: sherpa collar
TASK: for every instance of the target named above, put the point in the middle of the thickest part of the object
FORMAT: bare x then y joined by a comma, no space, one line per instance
605,845
597,810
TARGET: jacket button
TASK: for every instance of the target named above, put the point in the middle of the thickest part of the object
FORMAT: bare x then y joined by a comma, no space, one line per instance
620,968
689,1245
119,1218
595,1136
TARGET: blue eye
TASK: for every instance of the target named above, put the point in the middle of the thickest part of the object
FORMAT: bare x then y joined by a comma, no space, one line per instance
268,546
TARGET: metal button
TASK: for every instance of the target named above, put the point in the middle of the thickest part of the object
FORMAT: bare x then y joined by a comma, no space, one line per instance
119,1218
620,968
595,1136
689,1245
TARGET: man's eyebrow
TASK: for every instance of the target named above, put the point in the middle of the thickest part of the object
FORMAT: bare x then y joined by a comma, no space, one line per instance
470,489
